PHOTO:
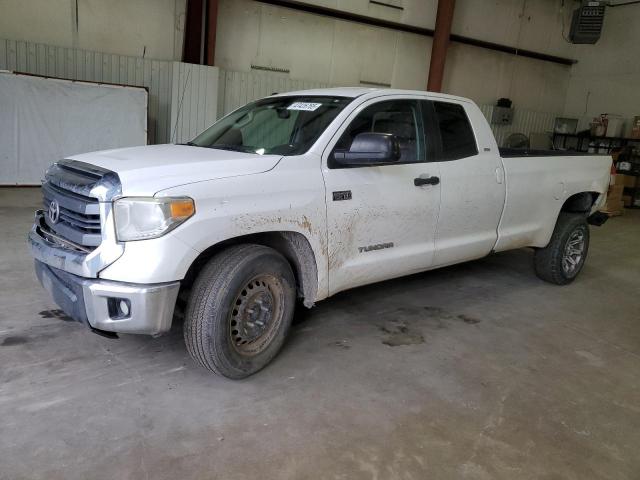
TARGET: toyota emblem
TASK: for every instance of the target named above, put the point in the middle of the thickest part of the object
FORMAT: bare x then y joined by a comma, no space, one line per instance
54,211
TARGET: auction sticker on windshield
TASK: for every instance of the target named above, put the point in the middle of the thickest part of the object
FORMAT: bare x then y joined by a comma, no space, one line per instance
309,107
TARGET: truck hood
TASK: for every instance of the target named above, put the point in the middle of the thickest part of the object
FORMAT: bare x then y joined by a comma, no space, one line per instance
147,170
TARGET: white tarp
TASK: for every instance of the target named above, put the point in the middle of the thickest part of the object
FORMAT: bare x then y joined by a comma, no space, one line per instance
43,120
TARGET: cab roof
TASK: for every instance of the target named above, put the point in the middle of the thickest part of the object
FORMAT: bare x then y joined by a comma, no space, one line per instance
354,92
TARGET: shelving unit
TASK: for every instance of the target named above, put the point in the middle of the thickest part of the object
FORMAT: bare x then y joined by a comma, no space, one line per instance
576,142
634,160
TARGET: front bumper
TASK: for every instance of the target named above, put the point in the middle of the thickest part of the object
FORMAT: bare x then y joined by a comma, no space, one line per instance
95,302
56,252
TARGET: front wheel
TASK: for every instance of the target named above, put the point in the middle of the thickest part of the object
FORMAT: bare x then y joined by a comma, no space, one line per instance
562,259
240,310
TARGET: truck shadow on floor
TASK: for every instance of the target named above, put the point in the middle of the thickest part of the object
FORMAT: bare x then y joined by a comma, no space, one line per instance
399,312
402,310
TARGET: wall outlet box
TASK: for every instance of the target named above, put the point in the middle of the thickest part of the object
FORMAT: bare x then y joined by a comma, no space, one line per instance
502,116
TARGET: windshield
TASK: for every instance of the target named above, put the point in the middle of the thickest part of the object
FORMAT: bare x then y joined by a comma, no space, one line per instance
276,125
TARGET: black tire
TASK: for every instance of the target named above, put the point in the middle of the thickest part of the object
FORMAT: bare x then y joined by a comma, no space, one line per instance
240,310
557,262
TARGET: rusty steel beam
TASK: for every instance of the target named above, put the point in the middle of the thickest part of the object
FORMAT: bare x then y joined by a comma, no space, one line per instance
441,39
191,48
211,28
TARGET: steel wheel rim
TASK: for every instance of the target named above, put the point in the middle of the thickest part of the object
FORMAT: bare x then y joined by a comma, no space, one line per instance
573,255
256,313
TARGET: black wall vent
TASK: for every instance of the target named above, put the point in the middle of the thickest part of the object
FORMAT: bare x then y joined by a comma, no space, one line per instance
586,24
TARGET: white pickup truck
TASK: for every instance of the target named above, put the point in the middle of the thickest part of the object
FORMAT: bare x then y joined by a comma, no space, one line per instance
299,196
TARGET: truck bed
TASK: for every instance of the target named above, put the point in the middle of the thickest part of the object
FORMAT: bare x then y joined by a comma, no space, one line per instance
538,183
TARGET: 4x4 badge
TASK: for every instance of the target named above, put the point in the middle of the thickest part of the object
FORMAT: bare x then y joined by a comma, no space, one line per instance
343,195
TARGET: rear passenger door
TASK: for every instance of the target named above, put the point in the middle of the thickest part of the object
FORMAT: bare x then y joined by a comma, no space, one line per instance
472,181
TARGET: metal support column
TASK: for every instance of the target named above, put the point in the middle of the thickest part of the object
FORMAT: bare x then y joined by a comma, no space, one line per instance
441,38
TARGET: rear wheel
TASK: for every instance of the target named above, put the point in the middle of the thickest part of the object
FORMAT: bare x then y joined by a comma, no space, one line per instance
240,310
562,259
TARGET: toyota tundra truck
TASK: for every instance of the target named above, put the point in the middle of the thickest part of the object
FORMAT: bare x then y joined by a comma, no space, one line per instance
291,199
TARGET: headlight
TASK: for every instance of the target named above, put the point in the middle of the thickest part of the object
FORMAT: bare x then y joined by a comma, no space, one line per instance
142,218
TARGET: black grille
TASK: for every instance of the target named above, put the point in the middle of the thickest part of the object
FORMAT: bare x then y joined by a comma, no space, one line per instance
79,215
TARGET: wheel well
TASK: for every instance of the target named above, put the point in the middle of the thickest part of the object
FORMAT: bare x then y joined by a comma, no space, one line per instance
293,246
580,202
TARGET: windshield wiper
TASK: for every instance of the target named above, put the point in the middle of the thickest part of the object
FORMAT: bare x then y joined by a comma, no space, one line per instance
190,144
233,148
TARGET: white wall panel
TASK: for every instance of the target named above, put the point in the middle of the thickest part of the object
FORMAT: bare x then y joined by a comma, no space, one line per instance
194,103
75,64
43,120
239,88
411,66
202,94
154,28
485,76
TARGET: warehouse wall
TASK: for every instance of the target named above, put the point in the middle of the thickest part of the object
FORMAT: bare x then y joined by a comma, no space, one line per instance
607,77
346,53
149,28
320,49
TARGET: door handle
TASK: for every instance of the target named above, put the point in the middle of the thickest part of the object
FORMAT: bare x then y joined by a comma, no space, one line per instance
426,181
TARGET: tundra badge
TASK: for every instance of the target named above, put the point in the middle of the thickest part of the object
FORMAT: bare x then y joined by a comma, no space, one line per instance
378,246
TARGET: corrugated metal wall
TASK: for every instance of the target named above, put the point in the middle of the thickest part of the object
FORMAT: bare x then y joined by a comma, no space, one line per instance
239,88
194,100
202,94
75,64
183,98
195,105
524,121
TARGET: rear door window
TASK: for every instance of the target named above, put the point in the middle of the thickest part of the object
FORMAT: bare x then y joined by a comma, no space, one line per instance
458,140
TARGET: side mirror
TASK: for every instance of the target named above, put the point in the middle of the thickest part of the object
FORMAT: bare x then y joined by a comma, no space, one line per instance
370,149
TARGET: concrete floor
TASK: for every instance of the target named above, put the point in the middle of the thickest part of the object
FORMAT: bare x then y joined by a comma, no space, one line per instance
477,371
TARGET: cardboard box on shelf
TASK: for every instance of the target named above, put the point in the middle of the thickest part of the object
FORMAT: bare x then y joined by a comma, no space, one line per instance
613,208
635,127
628,181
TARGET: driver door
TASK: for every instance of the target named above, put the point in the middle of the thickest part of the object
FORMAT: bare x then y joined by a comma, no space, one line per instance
381,219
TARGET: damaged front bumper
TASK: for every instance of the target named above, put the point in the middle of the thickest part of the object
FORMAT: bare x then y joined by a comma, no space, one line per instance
70,273
59,253
111,306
